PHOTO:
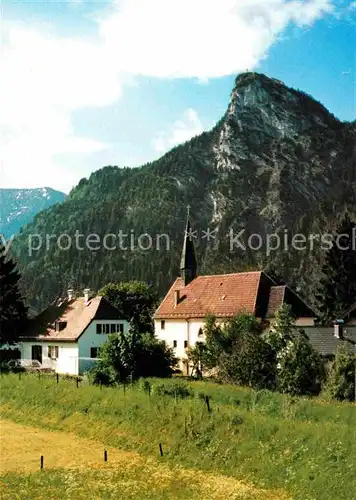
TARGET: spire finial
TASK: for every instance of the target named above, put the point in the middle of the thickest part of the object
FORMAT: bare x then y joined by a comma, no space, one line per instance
188,264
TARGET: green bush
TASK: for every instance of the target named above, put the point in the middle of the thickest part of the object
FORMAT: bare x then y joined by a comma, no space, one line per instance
340,383
300,367
200,395
145,385
130,356
174,388
98,375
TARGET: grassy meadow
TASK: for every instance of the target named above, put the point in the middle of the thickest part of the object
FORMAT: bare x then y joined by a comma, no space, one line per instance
250,445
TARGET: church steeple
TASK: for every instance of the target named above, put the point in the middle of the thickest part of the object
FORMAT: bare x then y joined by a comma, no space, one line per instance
188,263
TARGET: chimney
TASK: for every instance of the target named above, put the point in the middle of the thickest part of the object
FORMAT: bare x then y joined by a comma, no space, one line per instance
70,293
338,328
176,297
86,294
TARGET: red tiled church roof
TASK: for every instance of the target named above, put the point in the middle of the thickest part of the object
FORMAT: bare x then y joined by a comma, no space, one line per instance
223,295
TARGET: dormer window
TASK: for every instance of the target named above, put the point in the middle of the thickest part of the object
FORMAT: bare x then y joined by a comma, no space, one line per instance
60,325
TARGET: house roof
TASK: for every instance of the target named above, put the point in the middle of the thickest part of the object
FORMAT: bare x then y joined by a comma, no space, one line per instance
324,341
276,299
77,314
282,294
223,295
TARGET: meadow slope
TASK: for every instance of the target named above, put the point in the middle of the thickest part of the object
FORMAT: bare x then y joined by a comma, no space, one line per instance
74,467
289,447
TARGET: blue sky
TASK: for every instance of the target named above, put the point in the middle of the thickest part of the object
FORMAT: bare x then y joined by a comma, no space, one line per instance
87,84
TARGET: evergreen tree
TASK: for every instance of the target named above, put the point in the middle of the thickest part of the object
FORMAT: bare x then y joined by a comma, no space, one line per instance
13,312
337,288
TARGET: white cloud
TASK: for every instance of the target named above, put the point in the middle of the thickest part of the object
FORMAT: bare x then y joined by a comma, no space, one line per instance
47,77
181,131
199,38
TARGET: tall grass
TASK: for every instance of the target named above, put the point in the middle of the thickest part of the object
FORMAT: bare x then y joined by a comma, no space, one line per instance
303,446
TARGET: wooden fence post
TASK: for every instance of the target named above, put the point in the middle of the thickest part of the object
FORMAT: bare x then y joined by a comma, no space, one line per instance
160,449
105,456
41,462
57,377
207,403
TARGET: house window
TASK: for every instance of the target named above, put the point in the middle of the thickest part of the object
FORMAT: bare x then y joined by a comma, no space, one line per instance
163,324
53,351
94,352
60,325
107,328
174,343
185,344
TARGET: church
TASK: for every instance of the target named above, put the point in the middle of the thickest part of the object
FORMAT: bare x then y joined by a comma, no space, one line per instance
179,320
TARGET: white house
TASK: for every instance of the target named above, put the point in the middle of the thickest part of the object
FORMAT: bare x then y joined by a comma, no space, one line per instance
67,335
179,320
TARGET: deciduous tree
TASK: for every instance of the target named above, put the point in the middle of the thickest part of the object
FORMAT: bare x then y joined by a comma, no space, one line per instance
136,300
342,377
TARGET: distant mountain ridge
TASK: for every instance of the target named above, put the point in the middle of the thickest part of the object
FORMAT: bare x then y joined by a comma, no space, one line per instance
19,206
276,161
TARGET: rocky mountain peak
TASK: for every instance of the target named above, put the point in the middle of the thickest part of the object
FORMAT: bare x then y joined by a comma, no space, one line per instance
261,110
270,109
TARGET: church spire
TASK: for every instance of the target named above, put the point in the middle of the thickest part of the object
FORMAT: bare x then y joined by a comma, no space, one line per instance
188,263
